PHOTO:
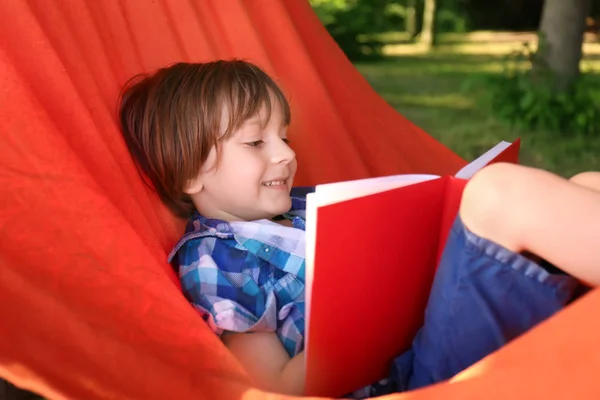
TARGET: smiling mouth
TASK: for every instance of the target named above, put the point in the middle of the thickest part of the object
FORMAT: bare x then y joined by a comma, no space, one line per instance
274,183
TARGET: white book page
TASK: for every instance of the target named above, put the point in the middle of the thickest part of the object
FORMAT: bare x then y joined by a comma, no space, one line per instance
332,193
470,169
311,244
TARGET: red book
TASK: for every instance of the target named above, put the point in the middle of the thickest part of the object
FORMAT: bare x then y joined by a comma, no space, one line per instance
372,250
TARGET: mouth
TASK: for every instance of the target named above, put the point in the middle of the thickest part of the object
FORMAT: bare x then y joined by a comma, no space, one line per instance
275,183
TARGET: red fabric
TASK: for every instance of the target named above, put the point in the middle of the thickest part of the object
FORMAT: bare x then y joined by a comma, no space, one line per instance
89,309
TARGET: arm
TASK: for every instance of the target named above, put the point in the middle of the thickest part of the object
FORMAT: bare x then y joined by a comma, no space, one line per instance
267,362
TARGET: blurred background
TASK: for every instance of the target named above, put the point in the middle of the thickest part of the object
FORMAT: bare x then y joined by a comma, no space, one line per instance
472,73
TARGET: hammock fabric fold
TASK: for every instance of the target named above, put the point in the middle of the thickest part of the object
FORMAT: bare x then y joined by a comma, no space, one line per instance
89,309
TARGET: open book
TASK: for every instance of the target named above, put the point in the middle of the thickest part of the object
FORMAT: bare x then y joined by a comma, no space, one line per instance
372,249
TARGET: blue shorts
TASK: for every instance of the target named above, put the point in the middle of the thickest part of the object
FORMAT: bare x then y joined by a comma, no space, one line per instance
483,296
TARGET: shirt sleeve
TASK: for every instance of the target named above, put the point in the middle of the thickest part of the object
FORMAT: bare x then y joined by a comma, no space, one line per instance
223,283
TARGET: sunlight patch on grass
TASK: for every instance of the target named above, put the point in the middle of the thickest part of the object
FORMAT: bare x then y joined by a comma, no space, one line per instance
449,100
461,48
590,65
425,65
479,43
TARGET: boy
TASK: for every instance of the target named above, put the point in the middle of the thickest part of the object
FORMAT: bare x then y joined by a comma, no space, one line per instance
212,139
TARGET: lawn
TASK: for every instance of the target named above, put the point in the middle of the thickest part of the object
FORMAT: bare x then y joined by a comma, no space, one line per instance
428,89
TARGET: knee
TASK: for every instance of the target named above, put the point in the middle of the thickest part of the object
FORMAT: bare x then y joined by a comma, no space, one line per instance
589,180
484,208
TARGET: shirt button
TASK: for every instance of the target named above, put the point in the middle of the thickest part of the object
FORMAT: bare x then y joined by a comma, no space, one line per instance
266,249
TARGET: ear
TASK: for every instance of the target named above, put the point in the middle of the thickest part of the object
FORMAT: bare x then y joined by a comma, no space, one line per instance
194,186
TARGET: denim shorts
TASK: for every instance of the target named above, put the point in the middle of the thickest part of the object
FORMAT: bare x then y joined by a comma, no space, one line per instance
483,296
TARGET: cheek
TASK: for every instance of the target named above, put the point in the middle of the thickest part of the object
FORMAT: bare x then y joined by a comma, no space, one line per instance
244,169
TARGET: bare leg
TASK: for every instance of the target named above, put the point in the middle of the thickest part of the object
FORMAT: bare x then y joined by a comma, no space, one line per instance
590,180
526,209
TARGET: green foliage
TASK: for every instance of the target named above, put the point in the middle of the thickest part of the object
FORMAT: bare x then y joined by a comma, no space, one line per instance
327,10
525,95
354,23
451,20
428,90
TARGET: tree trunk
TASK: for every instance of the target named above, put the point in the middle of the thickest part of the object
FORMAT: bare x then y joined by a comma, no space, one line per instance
561,38
411,18
428,30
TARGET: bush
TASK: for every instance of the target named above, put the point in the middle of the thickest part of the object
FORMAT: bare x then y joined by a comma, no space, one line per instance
354,24
449,20
527,98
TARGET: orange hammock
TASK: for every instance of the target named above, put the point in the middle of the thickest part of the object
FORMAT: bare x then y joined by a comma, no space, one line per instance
89,309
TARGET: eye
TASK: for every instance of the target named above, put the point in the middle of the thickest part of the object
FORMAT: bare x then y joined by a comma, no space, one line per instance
256,143
286,140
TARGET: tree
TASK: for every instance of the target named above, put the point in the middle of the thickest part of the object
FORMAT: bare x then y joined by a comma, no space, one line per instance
560,40
411,18
428,30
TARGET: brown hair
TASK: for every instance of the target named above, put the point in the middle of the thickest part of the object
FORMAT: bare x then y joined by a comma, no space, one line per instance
172,119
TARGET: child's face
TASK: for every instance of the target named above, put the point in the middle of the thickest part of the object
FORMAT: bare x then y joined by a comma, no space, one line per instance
255,173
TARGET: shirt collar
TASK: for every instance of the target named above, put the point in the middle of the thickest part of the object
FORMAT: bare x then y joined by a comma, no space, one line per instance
199,226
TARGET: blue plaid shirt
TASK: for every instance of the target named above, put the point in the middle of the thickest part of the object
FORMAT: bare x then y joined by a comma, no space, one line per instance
247,276
250,276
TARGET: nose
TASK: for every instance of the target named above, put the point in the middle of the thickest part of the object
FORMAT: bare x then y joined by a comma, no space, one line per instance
283,153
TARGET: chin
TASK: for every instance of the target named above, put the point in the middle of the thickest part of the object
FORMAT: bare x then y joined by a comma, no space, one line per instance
284,207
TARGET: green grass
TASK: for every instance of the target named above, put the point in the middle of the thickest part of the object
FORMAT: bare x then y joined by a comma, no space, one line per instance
428,89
